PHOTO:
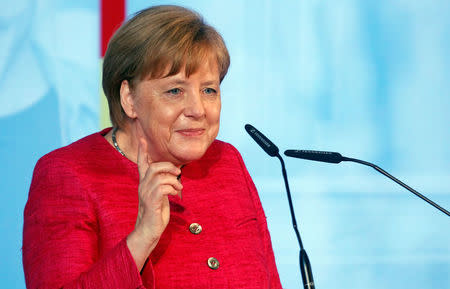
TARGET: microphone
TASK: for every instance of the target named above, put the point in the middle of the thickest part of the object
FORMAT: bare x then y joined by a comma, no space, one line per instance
333,157
320,156
272,150
262,141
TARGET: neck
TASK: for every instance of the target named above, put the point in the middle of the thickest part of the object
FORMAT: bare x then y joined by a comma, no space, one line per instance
127,141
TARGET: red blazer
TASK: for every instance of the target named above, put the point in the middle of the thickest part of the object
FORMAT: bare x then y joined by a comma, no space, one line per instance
83,203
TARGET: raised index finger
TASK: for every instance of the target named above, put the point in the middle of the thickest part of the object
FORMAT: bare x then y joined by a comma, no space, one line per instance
142,158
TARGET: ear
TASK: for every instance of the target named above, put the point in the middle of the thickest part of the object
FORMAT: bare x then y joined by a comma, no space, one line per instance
126,99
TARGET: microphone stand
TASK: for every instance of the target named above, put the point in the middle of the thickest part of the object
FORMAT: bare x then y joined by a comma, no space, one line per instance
272,150
305,265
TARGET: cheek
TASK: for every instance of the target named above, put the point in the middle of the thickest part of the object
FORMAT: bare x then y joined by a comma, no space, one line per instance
214,121
158,122
164,116
214,113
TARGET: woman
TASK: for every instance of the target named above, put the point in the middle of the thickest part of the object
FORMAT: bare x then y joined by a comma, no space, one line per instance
155,202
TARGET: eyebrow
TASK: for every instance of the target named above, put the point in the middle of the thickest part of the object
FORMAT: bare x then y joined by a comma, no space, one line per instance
175,81
183,82
211,82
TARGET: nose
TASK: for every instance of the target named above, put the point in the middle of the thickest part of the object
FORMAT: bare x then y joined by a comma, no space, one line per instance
194,106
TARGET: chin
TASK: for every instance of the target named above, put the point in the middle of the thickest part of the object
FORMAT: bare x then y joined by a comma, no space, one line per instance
191,153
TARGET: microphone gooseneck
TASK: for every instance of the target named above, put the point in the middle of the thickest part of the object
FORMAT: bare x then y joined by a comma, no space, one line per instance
272,150
291,206
333,157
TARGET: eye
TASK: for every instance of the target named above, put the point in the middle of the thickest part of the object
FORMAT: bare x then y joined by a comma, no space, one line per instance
174,91
209,90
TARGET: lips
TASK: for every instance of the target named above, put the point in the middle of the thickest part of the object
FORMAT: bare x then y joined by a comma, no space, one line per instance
191,131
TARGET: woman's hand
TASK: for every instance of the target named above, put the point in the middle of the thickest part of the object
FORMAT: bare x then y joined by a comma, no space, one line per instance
157,180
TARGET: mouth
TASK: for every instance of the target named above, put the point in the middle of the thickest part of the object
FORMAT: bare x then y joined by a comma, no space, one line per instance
191,131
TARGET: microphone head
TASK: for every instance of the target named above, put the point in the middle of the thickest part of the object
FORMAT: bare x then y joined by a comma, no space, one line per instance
262,141
320,156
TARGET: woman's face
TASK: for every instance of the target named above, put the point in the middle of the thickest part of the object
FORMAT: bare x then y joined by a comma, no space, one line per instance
179,115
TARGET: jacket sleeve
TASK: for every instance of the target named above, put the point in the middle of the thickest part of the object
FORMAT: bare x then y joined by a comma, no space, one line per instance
271,265
60,236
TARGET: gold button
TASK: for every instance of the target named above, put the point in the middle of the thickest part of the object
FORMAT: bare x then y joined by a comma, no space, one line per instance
195,228
213,263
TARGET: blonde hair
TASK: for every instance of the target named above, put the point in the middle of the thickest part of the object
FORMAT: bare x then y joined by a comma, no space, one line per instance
157,42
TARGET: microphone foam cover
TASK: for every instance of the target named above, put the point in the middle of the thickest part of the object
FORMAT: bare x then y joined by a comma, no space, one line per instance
320,156
262,141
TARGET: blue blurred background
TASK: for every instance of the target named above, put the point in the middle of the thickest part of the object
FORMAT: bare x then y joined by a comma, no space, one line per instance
369,79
